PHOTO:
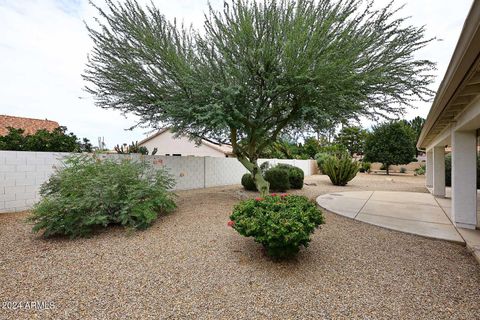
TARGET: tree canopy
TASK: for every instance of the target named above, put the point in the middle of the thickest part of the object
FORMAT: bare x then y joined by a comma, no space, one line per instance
390,143
256,70
43,140
353,138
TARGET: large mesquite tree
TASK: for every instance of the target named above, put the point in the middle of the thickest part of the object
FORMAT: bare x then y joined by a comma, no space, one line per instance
256,70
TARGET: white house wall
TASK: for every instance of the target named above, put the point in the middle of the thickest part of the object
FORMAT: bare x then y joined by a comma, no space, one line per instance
167,144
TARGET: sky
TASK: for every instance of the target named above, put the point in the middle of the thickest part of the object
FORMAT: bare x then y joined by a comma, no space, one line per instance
44,46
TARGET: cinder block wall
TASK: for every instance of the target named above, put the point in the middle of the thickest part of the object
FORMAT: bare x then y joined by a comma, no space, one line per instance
22,173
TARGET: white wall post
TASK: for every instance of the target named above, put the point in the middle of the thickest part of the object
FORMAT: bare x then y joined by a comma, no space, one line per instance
439,171
464,179
429,169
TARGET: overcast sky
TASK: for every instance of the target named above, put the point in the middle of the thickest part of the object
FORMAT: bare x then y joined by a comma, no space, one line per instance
44,47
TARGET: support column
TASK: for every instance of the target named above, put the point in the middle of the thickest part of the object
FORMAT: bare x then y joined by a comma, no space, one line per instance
439,171
464,179
429,169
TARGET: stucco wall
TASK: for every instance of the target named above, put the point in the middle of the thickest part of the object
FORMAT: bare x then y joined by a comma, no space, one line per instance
167,144
22,173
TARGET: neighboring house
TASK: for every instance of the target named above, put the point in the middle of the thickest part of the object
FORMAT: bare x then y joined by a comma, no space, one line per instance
168,145
29,125
453,122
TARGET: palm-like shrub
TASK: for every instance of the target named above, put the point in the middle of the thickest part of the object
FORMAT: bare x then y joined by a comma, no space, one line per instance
341,170
89,193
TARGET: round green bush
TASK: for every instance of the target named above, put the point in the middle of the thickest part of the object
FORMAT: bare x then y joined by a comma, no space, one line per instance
248,183
89,193
278,179
281,223
295,175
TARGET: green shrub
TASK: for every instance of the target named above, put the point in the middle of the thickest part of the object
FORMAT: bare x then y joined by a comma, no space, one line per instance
295,175
420,171
403,170
278,179
248,183
365,166
321,158
89,193
281,223
341,170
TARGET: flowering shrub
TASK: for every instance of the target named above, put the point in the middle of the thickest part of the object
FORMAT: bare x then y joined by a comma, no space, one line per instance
281,223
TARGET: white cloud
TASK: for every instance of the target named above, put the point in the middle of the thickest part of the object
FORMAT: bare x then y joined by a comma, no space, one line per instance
44,47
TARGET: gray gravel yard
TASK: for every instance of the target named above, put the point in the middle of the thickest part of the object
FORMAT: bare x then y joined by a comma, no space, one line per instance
191,265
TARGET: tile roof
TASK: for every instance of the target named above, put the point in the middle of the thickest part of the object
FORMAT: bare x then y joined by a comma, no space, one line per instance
28,124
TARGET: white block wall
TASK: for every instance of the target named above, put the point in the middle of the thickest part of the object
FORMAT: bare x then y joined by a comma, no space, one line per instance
22,173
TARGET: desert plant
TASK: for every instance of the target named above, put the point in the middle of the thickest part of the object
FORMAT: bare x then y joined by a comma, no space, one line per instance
420,171
256,69
87,193
365,166
281,223
295,175
132,148
248,183
341,170
321,158
278,179
403,170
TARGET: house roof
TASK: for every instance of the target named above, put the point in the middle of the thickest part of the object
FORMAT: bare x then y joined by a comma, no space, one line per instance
225,148
461,82
29,125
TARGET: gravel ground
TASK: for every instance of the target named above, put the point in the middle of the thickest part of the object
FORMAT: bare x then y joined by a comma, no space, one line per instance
191,265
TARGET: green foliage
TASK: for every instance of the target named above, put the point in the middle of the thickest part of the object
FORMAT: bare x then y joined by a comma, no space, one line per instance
416,124
281,223
341,170
278,179
391,143
420,171
365,166
56,140
132,148
328,151
295,175
353,138
311,147
89,193
256,70
248,183
321,158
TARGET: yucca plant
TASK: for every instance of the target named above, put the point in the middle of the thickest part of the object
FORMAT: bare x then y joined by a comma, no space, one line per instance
340,170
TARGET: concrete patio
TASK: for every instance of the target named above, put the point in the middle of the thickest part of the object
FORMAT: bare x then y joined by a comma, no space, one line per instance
415,213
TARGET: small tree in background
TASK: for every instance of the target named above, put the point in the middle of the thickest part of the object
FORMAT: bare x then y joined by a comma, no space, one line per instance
390,143
353,138
257,70
416,124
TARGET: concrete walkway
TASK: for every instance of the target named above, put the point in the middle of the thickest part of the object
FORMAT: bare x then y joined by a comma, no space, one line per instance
410,212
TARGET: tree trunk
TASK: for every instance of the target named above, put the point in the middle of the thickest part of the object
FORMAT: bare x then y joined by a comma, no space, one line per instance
252,166
387,167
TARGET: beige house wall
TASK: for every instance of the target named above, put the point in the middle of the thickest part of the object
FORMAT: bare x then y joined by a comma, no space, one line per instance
167,144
